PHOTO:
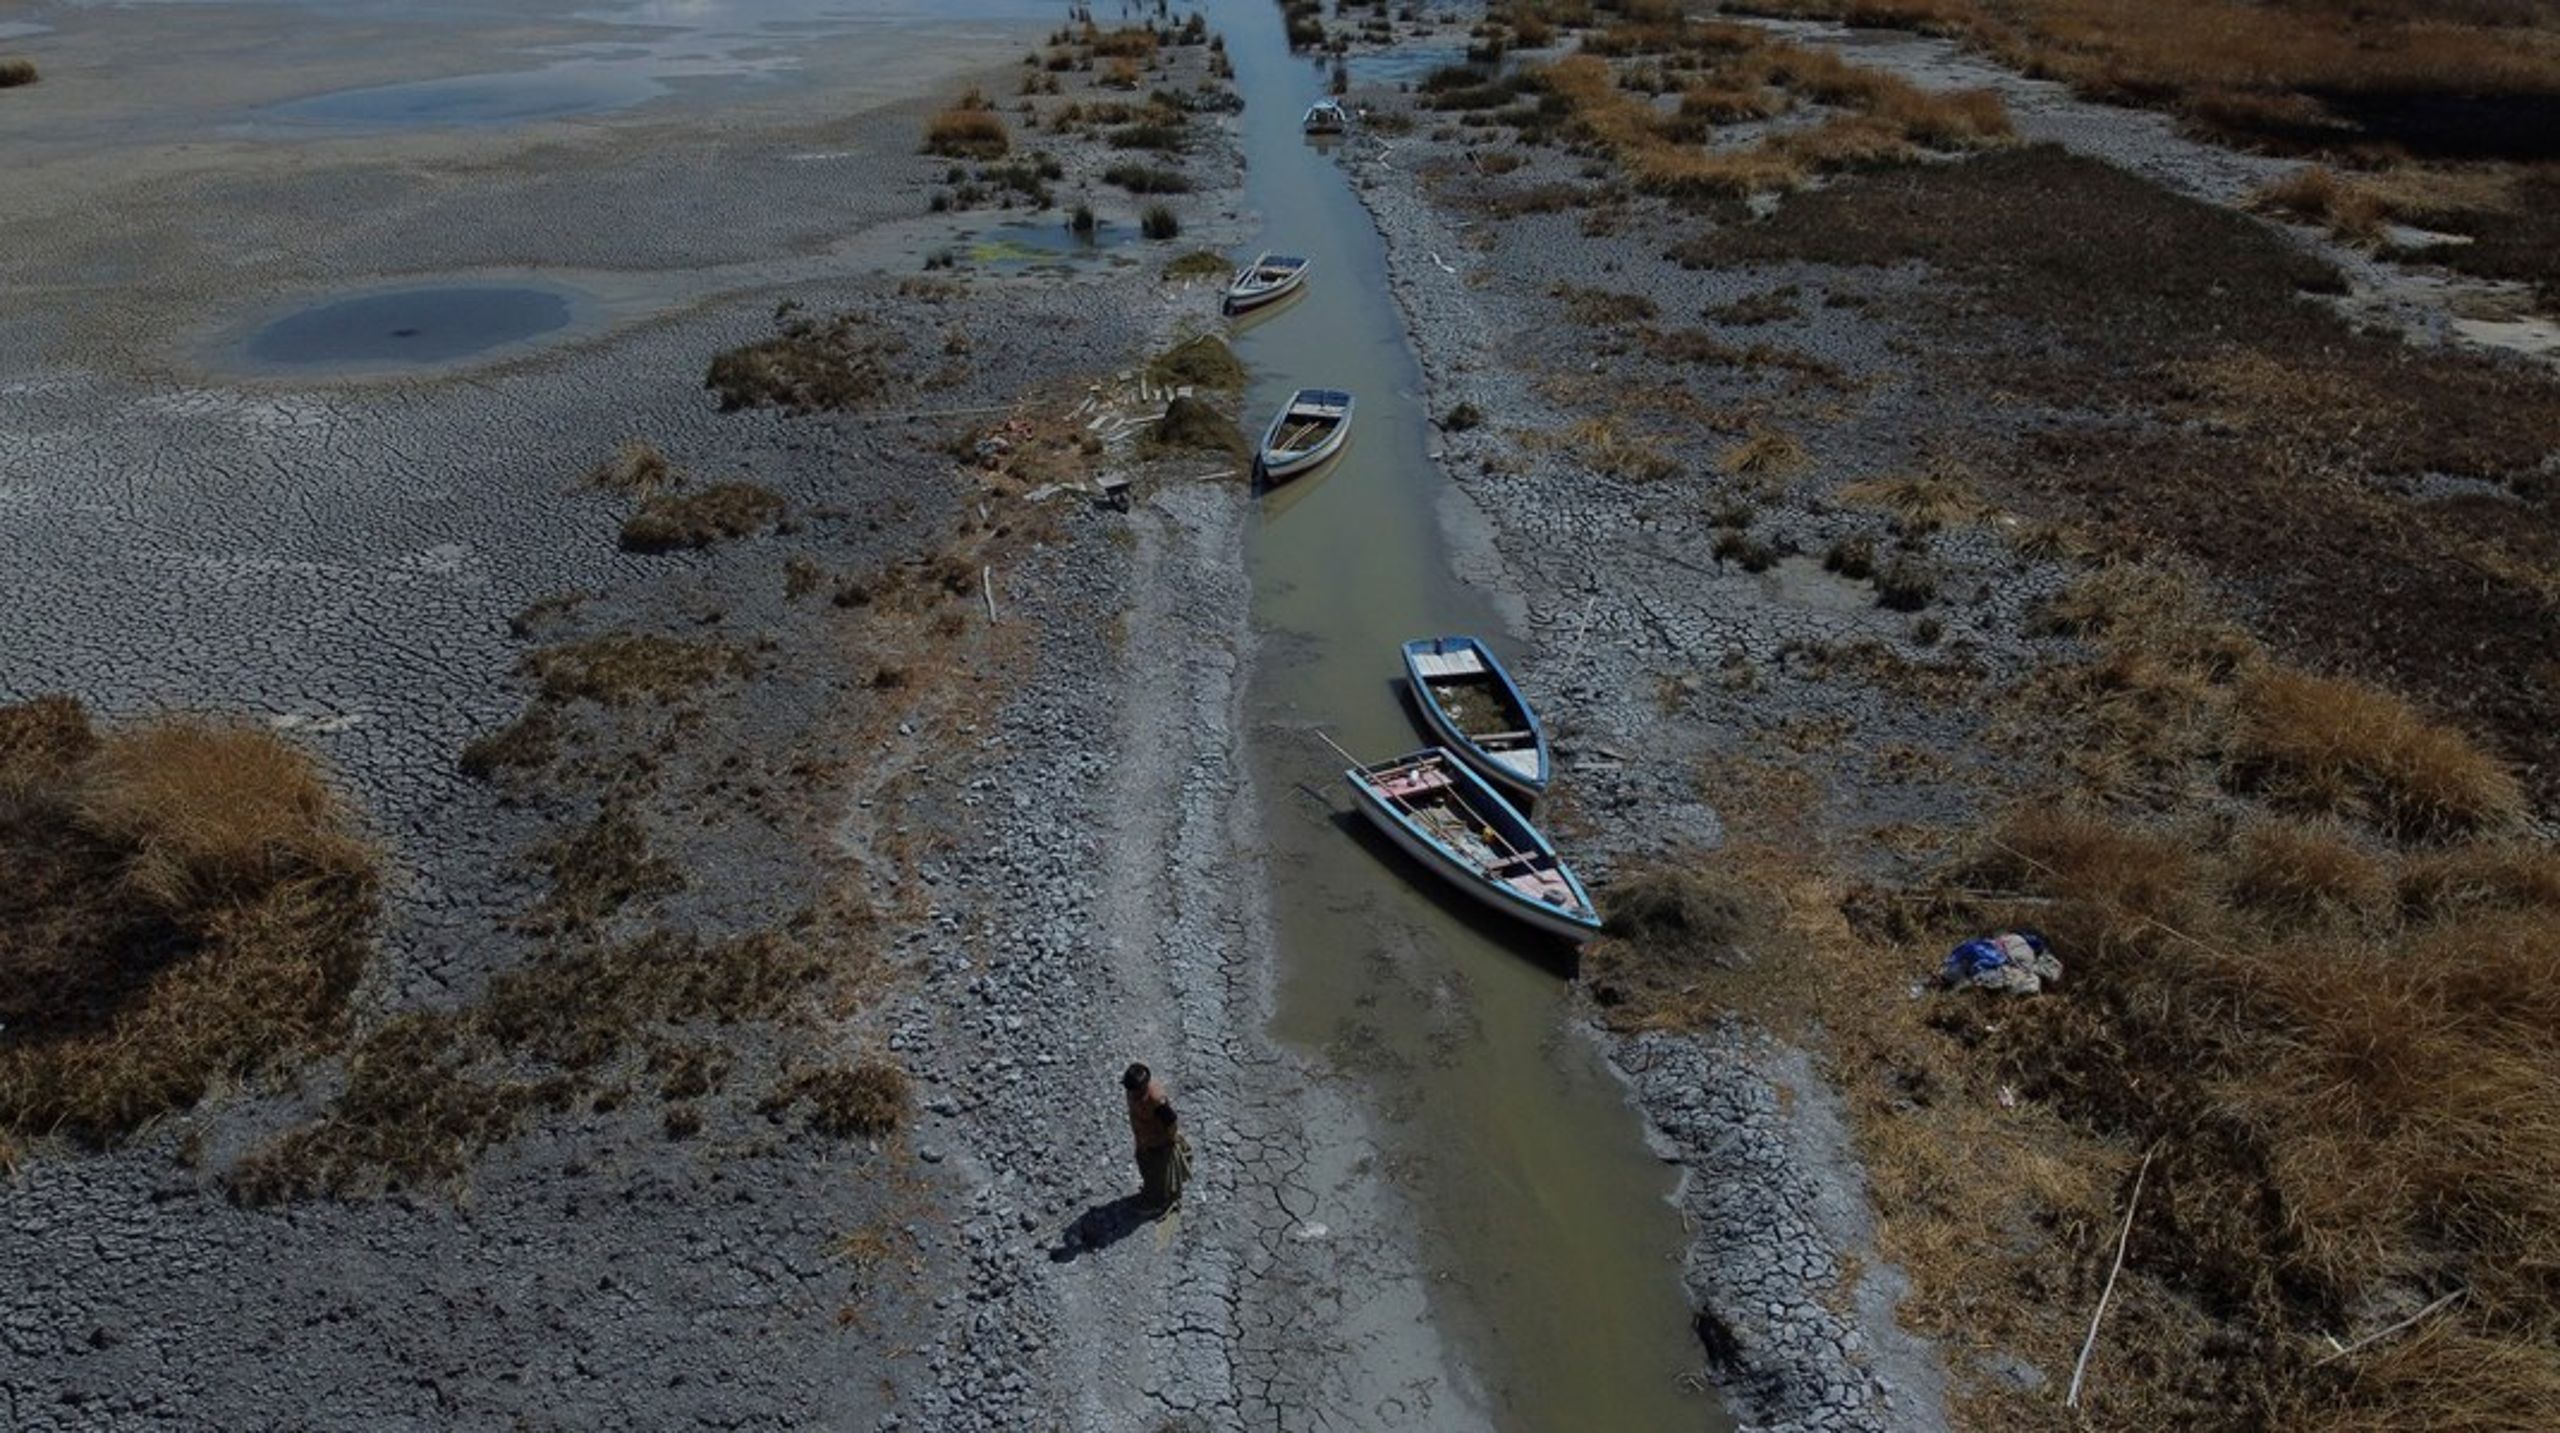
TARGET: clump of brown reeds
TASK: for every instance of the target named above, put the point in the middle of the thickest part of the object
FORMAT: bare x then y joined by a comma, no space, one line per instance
869,1097
182,901
2316,195
1764,452
700,518
2351,1116
621,667
1612,448
1920,502
969,129
2334,744
636,468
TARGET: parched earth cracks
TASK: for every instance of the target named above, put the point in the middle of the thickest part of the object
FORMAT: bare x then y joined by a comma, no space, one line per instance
1107,910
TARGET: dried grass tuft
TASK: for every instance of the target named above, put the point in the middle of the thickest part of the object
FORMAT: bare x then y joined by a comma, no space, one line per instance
181,901
2344,747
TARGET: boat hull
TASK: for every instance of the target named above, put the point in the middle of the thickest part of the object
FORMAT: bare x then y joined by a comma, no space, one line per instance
1247,300
1445,727
1275,463
1308,461
1549,920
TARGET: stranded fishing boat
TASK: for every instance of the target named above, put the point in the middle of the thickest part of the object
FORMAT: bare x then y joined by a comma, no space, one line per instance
1476,710
1445,816
1326,117
1270,277
1311,427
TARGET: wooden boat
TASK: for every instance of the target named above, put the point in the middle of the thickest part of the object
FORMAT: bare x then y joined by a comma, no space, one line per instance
1327,117
1448,818
1476,710
1270,277
1311,427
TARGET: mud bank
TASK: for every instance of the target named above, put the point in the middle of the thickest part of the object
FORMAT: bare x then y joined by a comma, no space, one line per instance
371,565
1794,1305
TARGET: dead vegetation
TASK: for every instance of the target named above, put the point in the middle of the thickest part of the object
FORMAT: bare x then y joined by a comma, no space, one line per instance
669,521
637,469
623,667
2316,195
2212,414
1192,425
1725,74
1199,264
2464,78
15,71
428,1092
2326,1025
969,129
183,902
1612,448
808,366
869,1098
1203,361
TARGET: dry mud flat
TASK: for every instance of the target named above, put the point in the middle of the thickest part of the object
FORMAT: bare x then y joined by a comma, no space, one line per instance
582,1157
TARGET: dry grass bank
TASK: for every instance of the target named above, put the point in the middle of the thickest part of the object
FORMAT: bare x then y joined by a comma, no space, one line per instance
2207,407
1724,74
2324,1017
2467,77
182,902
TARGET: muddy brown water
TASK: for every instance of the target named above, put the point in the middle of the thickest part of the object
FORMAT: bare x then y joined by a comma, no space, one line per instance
1552,1256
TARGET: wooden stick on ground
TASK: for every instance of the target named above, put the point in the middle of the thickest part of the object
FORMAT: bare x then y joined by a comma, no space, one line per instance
987,583
2080,1370
2339,1350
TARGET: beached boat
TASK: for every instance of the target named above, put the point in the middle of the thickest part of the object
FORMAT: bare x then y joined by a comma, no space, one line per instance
1476,710
1447,817
1270,277
1327,117
1311,427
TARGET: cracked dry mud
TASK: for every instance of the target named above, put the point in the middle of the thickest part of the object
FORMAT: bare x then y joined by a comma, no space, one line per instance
341,560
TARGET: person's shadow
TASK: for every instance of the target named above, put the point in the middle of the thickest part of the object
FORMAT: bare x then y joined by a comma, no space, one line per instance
1102,1226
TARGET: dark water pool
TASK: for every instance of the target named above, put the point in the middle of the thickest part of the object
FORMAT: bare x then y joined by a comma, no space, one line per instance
495,99
422,326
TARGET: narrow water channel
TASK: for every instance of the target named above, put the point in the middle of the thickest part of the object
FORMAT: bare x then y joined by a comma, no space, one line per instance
1552,1254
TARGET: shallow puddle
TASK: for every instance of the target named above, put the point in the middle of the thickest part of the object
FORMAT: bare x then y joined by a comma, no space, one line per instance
413,327
1038,243
496,99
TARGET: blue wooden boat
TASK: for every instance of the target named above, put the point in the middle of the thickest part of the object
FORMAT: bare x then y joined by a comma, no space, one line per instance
1310,428
1451,820
1476,710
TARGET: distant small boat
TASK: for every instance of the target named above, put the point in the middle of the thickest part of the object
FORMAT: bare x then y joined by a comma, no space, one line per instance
1272,276
1327,117
1476,710
1310,428
1445,816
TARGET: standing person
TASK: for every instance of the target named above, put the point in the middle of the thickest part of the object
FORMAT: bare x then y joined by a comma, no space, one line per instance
1164,1156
